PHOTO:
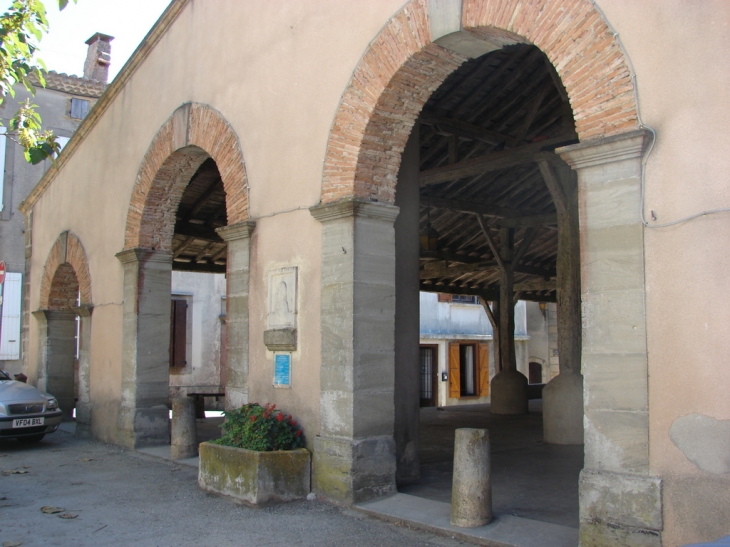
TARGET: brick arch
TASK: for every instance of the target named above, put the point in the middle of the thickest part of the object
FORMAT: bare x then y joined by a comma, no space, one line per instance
402,67
192,134
65,274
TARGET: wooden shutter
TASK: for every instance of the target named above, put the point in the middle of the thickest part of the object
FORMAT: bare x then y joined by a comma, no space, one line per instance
178,333
483,370
444,297
454,371
12,292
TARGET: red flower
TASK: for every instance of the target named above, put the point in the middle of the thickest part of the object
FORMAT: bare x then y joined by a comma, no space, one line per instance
280,417
253,418
298,433
292,423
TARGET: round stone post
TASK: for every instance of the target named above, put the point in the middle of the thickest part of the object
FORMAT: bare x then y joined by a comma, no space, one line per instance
471,493
183,431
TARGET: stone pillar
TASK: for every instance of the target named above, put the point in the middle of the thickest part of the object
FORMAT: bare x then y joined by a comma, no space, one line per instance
238,237
562,397
83,395
509,386
60,357
42,361
354,456
183,429
471,492
407,318
620,502
143,415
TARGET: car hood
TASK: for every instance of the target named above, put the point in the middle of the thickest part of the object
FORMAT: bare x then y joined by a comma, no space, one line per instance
11,391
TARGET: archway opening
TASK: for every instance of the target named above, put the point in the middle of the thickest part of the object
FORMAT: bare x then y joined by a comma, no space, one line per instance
63,340
479,219
198,349
190,188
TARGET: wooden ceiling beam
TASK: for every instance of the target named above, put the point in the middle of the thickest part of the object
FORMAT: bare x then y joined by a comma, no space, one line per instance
470,207
203,199
493,161
549,219
180,266
468,131
442,270
198,231
184,245
536,285
204,251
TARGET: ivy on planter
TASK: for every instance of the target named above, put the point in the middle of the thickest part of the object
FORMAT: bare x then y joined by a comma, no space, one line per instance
261,428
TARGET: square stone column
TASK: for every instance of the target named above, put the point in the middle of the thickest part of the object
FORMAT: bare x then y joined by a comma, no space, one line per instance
143,418
83,403
238,237
620,503
57,329
354,455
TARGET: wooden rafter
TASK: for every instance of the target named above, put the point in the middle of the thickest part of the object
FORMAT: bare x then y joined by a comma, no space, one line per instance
491,162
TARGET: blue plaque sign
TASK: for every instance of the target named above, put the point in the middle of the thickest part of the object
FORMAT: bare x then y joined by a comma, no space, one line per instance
282,369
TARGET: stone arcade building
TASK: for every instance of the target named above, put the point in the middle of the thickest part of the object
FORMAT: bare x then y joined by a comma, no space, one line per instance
308,145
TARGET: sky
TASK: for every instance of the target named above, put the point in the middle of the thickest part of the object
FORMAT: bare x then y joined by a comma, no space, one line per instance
64,48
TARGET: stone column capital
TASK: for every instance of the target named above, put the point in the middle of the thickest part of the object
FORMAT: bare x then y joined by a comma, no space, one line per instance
356,208
49,314
129,256
83,311
625,146
242,230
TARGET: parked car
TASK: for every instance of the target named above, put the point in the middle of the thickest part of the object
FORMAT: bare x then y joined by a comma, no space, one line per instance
26,413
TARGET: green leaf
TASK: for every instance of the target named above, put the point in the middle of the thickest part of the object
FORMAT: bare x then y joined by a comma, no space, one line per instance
36,155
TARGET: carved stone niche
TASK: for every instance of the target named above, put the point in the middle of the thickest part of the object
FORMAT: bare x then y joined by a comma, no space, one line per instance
281,321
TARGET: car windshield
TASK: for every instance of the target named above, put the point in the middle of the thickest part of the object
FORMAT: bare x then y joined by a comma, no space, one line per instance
3,376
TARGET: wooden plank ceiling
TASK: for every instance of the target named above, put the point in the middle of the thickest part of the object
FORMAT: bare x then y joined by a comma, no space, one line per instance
479,134
196,247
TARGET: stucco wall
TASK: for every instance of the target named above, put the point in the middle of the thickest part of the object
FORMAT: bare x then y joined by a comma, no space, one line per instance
678,50
203,293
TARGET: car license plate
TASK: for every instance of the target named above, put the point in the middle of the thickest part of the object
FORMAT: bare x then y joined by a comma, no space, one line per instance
28,422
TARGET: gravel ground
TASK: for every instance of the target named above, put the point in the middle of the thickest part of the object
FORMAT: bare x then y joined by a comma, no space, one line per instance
124,498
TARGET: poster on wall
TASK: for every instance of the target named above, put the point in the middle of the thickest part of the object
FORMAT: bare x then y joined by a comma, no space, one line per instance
282,369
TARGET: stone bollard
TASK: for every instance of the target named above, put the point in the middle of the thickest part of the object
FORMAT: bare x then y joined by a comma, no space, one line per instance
471,493
183,430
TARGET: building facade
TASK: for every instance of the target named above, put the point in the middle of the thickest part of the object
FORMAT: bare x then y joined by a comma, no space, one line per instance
63,104
555,151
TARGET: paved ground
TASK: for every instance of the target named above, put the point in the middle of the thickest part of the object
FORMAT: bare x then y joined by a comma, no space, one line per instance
530,479
128,499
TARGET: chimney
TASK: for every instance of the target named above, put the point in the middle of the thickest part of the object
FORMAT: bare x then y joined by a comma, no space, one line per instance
99,57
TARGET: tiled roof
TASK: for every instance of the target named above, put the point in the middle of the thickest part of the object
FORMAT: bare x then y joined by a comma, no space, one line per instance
73,84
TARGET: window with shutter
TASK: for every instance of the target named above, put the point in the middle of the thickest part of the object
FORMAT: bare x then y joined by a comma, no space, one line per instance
79,108
444,297
483,365
454,371
10,325
178,333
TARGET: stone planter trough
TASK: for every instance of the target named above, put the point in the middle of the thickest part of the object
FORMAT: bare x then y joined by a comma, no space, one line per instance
256,478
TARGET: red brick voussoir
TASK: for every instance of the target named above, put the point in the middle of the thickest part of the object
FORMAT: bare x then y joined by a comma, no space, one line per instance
401,68
191,135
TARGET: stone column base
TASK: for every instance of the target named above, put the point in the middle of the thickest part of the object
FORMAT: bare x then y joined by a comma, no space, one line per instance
349,471
618,509
562,409
141,427
509,393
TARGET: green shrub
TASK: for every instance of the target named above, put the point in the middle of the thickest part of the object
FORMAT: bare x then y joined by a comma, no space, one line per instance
262,428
